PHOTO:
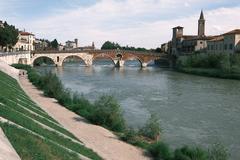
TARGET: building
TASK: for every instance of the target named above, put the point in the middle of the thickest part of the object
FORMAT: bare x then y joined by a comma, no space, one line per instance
86,48
188,44
1,24
226,43
70,45
60,47
25,42
41,44
164,47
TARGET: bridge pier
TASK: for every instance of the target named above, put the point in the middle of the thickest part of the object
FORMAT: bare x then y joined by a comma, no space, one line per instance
88,63
58,64
144,64
119,63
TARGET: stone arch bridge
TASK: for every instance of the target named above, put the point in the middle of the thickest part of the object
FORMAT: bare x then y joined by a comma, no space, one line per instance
118,57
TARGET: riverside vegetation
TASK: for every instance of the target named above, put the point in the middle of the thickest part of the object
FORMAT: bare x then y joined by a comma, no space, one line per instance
212,65
106,112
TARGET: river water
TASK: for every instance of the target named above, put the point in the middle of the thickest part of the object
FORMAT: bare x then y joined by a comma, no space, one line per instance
193,110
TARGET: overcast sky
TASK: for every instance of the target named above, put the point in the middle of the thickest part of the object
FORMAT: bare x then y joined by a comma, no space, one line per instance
140,23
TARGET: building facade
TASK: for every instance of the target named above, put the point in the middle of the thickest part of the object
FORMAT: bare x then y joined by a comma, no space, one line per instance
70,45
188,44
41,44
1,24
25,42
86,48
226,43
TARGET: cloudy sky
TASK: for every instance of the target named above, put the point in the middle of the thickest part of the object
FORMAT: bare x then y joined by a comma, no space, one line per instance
140,23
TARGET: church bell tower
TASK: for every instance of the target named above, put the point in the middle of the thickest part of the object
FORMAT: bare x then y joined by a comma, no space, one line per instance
201,25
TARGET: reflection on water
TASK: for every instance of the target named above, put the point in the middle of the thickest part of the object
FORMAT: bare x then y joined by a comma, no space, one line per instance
193,110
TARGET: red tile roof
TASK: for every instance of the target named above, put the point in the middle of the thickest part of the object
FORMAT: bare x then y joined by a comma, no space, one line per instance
195,37
236,31
26,34
218,38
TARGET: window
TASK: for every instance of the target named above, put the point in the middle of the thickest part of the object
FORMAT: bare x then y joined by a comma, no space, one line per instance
225,47
212,47
231,46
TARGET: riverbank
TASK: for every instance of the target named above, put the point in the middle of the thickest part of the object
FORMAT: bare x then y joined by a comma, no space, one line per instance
226,66
102,141
30,130
208,72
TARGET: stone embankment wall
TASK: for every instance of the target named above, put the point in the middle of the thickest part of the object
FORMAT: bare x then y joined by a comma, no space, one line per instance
13,72
15,57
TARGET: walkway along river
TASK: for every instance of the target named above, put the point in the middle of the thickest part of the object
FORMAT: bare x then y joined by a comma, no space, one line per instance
193,110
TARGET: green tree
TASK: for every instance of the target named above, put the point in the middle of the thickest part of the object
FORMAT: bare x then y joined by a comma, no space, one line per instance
110,45
54,44
8,35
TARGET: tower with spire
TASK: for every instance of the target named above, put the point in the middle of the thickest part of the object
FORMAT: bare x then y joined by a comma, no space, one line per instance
201,25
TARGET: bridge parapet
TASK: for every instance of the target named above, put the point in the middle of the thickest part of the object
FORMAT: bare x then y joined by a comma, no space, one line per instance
98,51
22,57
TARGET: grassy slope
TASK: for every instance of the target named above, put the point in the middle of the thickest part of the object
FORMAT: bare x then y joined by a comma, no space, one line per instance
17,107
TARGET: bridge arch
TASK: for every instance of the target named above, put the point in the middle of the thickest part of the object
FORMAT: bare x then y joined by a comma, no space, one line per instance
48,57
76,56
103,56
132,57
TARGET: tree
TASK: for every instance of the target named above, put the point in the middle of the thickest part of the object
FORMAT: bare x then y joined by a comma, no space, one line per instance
159,50
8,35
110,45
54,44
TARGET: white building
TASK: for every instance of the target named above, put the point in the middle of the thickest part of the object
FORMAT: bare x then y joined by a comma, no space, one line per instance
41,44
226,43
71,45
25,42
1,24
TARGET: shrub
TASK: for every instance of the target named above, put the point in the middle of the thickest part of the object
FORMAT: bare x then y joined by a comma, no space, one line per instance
53,87
186,153
218,152
108,114
160,151
130,136
151,129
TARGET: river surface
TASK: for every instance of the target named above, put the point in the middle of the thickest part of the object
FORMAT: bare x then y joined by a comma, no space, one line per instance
193,110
